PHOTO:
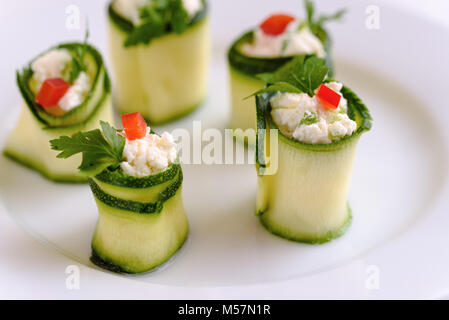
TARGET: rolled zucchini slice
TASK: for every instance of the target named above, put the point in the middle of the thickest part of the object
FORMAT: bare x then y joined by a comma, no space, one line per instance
165,79
243,71
142,222
303,188
28,142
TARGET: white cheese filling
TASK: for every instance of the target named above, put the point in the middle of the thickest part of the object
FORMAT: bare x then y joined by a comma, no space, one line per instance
77,93
192,6
149,155
129,9
52,65
294,41
304,119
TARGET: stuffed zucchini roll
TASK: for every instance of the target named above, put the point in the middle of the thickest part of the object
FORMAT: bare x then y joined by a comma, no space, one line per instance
136,182
160,56
266,48
65,90
303,184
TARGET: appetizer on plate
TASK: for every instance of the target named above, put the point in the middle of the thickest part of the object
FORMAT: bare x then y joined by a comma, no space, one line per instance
136,182
160,56
303,182
266,48
65,90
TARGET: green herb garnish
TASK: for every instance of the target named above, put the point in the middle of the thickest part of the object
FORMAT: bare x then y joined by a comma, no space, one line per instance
100,149
78,64
303,74
316,24
309,118
157,17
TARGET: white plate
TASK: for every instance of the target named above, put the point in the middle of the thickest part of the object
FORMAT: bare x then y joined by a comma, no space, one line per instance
399,191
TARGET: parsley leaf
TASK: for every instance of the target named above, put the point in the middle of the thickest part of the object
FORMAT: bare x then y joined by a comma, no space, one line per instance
336,16
312,74
180,17
303,74
99,149
152,27
277,87
316,25
157,18
78,64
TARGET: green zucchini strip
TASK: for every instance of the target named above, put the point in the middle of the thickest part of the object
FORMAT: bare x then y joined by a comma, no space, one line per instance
127,26
252,66
116,178
134,236
100,87
28,142
305,200
166,79
134,206
243,70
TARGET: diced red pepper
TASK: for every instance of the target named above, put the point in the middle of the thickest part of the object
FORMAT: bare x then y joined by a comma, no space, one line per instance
276,24
51,92
328,97
134,125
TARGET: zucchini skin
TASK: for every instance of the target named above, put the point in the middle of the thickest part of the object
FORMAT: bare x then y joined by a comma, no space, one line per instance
243,81
307,239
243,115
104,262
101,84
132,236
57,178
135,206
252,66
28,144
165,80
117,179
127,26
305,200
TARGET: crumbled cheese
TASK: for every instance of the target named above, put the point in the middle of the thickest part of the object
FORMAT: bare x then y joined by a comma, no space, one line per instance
77,93
288,100
293,41
336,86
192,6
129,9
304,42
316,133
50,65
288,109
149,155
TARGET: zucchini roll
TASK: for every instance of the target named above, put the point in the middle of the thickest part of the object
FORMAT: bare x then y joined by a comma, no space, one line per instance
303,183
65,90
160,55
137,186
265,49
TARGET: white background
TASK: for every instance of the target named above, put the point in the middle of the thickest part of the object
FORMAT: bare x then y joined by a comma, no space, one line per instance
45,277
